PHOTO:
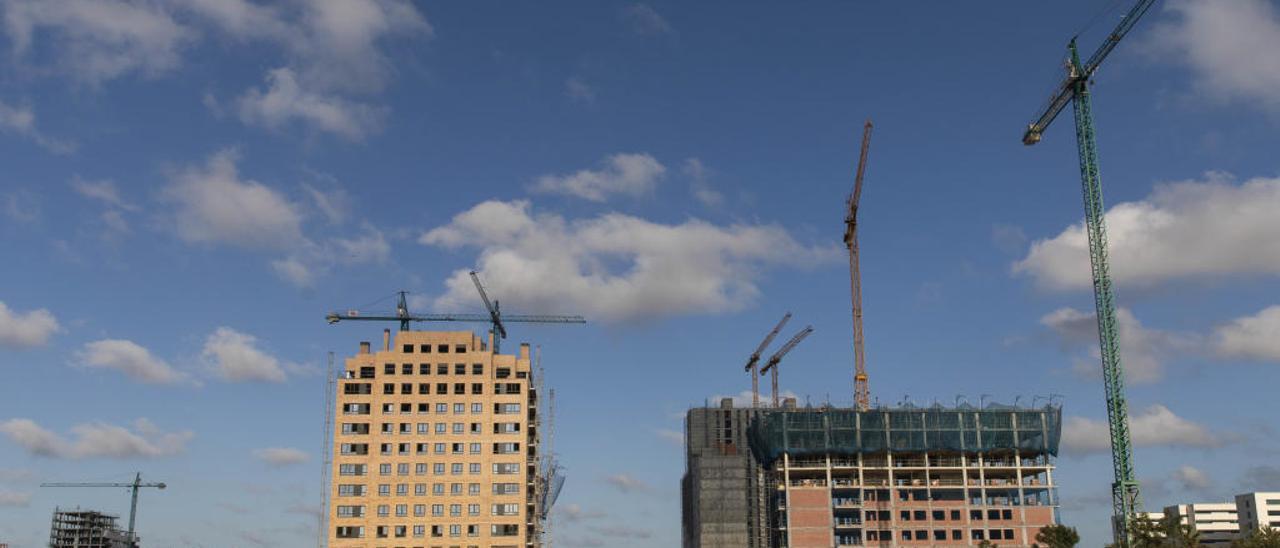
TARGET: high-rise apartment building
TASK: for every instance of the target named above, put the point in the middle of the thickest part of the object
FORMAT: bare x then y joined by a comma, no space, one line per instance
901,476
435,445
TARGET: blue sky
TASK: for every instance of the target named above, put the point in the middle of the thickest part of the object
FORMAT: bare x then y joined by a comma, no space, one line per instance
189,186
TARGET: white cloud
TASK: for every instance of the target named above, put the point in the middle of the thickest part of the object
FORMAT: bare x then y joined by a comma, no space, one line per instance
1192,478
1225,44
699,177
104,191
280,456
573,513
646,20
97,440
26,330
22,121
630,174
1156,426
1143,351
97,40
129,358
1254,337
285,101
213,205
627,483
311,261
295,271
674,437
235,357
578,90
1182,230
14,499
334,203
613,267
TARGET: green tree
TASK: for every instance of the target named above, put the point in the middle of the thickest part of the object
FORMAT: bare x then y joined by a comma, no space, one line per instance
1057,536
1262,538
986,544
1167,532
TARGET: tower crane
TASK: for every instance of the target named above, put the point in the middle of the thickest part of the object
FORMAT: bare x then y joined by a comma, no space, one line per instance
133,487
1126,501
861,389
494,317
753,363
771,366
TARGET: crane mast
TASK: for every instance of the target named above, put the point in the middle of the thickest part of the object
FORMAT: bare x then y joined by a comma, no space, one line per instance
1126,499
861,387
133,488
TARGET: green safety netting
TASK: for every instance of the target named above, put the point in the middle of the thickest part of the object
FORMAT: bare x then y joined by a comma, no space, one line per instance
809,432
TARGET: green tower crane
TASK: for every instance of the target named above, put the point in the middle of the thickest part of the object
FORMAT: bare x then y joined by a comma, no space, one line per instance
1125,499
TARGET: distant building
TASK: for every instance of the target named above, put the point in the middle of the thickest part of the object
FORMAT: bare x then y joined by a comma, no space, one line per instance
436,443
908,476
1258,510
87,529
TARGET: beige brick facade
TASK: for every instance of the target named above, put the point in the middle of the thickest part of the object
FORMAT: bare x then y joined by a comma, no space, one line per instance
435,445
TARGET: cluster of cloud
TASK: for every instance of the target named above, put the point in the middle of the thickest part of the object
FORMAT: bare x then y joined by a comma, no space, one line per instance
1155,426
212,204
1175,233
330,50
627,483
281,456
1220,40
645,20
96,440
29,329
1146,351
114,206
627,174
614,267
227,354
21,120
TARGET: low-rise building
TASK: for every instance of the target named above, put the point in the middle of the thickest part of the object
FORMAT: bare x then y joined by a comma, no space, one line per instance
1257,510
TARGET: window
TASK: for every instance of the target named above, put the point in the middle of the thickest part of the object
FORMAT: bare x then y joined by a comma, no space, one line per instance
473,509
939,515
437,489
995,534
402,469
459,408
406,369
424,428
384,489
459,388
976,534
455,510
402,489
424,388
438,468
442,388
477,408
506,448
906,535
473,488
474,468
456,469
939,534
357,388
403,448
354,449
459,369
388,408
475,449
355,409
389,388
406,388
477,388
506,488
455,530
351,490
442,408
424,409
459,428
385,449
423,448
419,510
350,532
457,448
506,509
439,449
407,349
507,530
956,534
1007,514
512,428
419,489
350,511
993,514
975,515
473,530
355,428
920,515
441,428
437,509
506,408
455,489
402,510
503,372
384,469
419,530
514,468
460,349
424,349
351,469
506,388
442,349
477,369
406,428
955,515
1008,534
389,369
475,428
424,369
442,369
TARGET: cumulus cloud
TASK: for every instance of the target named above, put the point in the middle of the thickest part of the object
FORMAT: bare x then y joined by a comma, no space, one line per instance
103,191
129,358
1143,351
280,456
96,440
626,483
1182,230
645,20
1254,337
212,204
310,261
285,101
30,329
613,267
235,357
14,499
1192,478
21,120
1222,41
1155,426
699,183
629,174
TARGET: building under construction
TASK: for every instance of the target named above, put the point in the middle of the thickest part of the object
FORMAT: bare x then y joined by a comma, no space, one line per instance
87,529
904,476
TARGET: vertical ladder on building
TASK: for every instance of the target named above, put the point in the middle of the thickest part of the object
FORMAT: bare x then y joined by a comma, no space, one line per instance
326,452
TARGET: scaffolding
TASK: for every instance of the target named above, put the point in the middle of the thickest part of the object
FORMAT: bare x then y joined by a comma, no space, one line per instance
818,432
87,529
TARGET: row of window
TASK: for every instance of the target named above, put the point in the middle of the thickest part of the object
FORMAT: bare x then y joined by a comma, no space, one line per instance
420,510
439,348
421,468
424,388
420,489
941,535
403,449
941,515
424,408
424,428
401,531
